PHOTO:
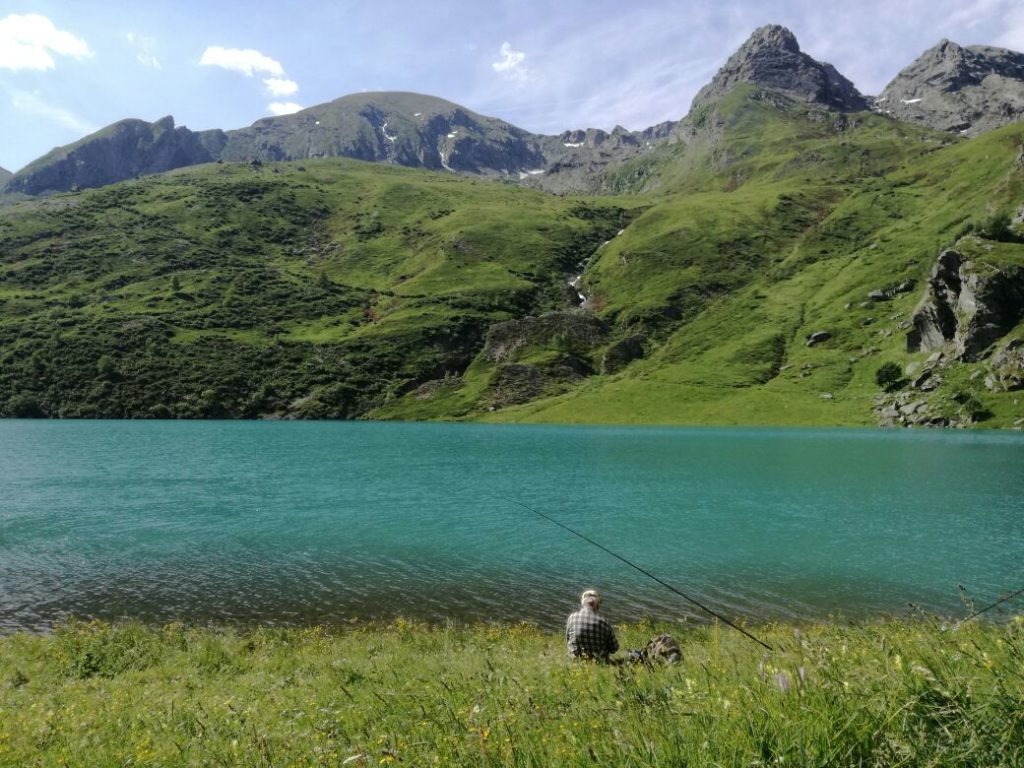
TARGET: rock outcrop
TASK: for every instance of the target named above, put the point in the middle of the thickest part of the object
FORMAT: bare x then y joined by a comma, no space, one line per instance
5,175
1008,367
968,307
121,151
771,58
968,90
567,329
576,160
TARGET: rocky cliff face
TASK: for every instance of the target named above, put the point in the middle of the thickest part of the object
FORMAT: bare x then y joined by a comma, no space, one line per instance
4,176
968,307
121,151
575,160
967,90
771,58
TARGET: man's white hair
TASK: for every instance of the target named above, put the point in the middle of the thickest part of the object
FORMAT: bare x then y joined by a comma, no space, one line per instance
591,599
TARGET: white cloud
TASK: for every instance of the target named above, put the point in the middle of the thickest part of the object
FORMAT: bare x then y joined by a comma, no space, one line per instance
249,61
144,47
27,42
32,104
284,107
511,63
244,60
278,86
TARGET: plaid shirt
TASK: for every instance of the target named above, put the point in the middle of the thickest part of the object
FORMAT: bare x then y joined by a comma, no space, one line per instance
590,635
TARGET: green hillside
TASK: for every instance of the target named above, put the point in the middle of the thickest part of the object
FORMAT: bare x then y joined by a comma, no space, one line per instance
774,224
337,289
316,290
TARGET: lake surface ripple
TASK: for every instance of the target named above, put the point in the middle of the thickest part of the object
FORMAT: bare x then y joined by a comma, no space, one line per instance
325,523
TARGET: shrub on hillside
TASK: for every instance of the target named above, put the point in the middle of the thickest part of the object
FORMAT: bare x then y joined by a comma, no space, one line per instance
25,406
889,375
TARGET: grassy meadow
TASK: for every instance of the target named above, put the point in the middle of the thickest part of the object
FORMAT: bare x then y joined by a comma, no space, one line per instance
903,693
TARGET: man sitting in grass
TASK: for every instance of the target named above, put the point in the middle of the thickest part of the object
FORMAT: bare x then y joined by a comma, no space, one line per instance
588,634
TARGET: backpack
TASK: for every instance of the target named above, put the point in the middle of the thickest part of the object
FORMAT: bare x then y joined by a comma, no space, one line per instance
663,649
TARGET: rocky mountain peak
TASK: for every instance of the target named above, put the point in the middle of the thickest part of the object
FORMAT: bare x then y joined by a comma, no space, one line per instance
968,90
771,58
772,37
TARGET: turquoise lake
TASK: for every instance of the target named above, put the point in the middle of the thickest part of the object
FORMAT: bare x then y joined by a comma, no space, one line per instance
325,523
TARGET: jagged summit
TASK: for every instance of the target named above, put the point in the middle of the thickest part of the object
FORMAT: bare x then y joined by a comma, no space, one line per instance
771,58
773,36
969,89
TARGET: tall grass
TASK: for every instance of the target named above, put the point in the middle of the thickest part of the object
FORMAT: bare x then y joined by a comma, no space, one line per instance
885,694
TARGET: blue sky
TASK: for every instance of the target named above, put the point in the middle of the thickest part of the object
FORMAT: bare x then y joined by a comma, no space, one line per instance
69,68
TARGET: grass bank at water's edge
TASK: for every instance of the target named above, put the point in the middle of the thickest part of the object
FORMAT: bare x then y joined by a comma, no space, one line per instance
899,693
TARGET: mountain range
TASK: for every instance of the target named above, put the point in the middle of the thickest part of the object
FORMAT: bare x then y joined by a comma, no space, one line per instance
963,90
790,252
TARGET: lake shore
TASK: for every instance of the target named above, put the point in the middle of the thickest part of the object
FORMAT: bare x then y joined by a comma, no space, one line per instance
910,692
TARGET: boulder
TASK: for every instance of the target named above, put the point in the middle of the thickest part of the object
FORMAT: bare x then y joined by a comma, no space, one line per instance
1008,366
906,286
911,408
817,337
920,380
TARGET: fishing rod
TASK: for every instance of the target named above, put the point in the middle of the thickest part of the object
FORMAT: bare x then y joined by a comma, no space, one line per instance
1004,599
637,567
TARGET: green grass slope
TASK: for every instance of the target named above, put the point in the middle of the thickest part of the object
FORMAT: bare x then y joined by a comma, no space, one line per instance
904,693
314,290
774,222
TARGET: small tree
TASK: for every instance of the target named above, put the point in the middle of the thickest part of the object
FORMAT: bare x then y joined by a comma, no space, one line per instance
889,375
